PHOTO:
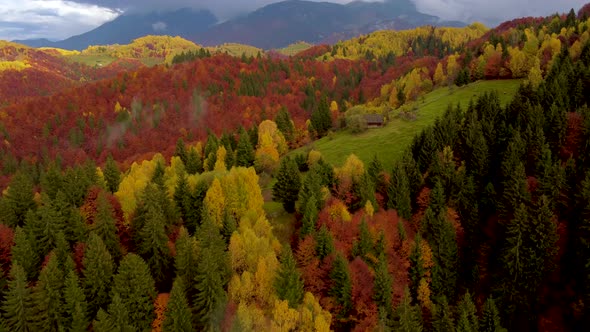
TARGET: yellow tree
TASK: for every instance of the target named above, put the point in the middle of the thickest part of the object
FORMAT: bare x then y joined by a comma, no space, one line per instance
220,161
267,155
242,192
283,317
518,64
439,74
214,203
535,76
452,68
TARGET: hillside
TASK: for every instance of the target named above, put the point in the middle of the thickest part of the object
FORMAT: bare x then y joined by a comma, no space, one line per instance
389,143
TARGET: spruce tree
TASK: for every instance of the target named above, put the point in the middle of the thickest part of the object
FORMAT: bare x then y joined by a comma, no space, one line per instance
98,273
490,320
116,319
229,225
186,257
75,305
51,180
48,298
153,243
341,285
417,270
399,192
310,217
244,151
366,192
311,186
23,253
442,320
321,119
178,314
324,242
409,317
415,179
17,200
285,124
193,163
382,288
364,245
288,283
180,150
135,286
17,305
182,195
112,174
46,224
104,226
209,291
286,189
375,169
445,252
467,315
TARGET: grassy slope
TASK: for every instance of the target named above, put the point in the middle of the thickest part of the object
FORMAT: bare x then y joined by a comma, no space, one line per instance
388,143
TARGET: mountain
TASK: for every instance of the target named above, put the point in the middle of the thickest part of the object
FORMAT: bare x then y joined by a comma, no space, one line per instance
125,28
280,24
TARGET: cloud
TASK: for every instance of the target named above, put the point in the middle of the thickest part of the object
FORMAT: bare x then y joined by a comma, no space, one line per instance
496,11
159,26
56,19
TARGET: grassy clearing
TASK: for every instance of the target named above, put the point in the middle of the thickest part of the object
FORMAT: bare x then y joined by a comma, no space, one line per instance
295,48
92,59
389,142
283,223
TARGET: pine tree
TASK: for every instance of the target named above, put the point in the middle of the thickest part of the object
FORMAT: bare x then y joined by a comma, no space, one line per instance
48,298
98,273
46,223
17,200
193,163
442,320
311,186
364,246
153,244
375,168
382,288
467,321
285,124
399,192
321,119
324,242
341,285
417,270
17,305
182,197
410,319
135,286
116,319
288,283
286,189
245,151
104,226
310,217
112,174
490,320
413,174
178,314
366,192
180,150
445,252
186,257
75,306
229,225
23,253
210,153
51,180
208,284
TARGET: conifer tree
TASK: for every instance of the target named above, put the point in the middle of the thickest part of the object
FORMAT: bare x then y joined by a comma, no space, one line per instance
98,273
285,124
366,192
321,119
415,179
467,315
324,242
410,319
23,253
116,319
112,174
17,200
245,151
341,285
382,288
178,314
159,172
193,163
75,306
104,226
374,170
288,283
310,217
229,225
490,320
443,320
186,257
417,270
46,224
180,150
445,252
210,152
286,189
17,305
153,243
51,180
399,192
48,298
364,245
182,197
135,286
311,186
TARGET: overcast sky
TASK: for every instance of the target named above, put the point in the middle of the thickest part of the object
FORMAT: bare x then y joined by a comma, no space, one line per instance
59,19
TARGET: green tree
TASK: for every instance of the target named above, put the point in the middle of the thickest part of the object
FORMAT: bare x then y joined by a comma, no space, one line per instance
112,174
399,192
445,252
442,320
467,321
75,306
135,286
186,257
48,298
417,270
245,151
193,163
410,319
364,245
116,319
341,285
23,253
104,226
285,124
17,200
286,189
17,305
321,119
153,243
52,180
490,320
375,169
311,186
180,150
288,283
98,273
324,242
382,288
310,217
178,314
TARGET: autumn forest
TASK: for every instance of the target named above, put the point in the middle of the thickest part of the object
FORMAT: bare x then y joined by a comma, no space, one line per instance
186,192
